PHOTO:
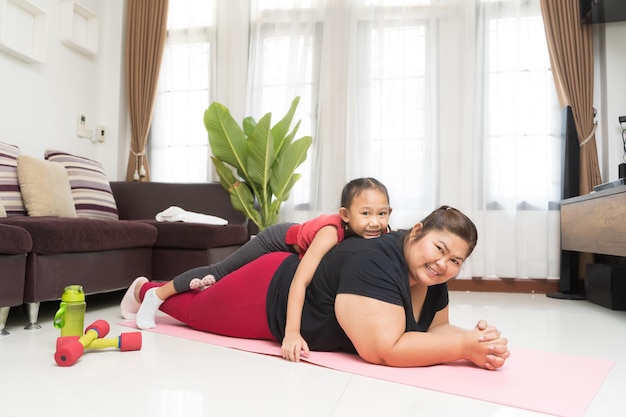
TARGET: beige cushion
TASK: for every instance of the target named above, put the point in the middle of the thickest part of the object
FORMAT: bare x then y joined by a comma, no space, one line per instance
3,212
45,187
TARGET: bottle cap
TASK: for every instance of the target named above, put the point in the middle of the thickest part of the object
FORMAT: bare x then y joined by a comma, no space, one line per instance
73,294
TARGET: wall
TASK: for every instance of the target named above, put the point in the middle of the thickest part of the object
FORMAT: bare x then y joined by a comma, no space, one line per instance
610,94
40,102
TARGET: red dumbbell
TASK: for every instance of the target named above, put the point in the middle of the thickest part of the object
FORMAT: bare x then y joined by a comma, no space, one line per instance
68,353
125,342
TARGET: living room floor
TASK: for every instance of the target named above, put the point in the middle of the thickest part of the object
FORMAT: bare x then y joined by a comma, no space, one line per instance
175,377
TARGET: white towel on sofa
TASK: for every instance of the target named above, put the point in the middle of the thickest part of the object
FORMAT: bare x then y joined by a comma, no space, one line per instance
177,214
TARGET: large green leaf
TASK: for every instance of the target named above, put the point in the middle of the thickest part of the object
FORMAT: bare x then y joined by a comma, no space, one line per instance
285,196
286,140
227,140
248,125
261,157
243,200
279,131
291,156
241,196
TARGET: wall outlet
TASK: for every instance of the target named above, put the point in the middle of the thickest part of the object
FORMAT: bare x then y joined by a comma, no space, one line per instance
622,119
99,134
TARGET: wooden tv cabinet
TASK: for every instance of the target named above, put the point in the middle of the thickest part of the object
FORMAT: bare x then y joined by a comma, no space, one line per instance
595,223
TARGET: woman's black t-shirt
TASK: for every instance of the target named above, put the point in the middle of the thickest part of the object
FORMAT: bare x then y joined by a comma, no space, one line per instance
372,268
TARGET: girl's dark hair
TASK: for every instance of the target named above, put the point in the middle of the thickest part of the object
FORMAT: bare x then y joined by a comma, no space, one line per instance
454,221
358,185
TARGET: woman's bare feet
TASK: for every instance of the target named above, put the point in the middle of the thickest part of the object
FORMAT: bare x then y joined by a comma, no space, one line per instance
198,283
130,303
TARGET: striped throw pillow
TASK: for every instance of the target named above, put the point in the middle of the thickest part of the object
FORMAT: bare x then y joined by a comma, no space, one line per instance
9,186
91,190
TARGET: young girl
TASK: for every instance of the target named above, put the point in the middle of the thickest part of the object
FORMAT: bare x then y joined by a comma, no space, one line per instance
364,212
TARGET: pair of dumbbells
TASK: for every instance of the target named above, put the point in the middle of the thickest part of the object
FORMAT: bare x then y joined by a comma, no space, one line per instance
70,348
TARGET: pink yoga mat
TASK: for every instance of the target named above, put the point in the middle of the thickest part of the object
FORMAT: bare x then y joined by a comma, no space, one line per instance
551,383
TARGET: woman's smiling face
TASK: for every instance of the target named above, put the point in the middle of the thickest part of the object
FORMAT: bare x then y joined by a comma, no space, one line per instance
435,257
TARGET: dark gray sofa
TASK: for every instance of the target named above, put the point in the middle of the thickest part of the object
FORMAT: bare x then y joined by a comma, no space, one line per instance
15,243
107,255
182,246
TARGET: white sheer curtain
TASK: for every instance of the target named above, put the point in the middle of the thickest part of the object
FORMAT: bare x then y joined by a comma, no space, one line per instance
445,101
366,74
178,139
284,63
519,144
393,78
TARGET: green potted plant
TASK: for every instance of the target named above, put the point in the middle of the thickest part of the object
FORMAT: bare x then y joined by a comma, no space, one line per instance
256,162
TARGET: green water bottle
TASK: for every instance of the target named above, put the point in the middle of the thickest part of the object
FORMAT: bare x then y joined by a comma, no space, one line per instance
71,315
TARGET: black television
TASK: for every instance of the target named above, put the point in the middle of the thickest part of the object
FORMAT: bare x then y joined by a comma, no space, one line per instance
602,11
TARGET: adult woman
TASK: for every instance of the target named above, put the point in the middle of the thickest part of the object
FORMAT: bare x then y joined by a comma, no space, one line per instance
385,299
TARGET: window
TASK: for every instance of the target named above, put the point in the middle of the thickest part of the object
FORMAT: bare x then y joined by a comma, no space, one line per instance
285,61
519,143
395,115
179,148
522,120
370,75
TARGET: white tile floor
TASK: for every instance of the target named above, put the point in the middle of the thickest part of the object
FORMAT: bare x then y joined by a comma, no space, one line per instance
174,377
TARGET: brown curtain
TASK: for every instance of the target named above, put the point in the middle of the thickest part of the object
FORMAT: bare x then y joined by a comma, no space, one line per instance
146,29
570,45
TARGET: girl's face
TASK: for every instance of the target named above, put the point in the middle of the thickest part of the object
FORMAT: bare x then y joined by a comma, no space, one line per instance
368,214
435,258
